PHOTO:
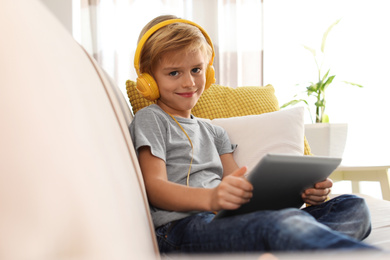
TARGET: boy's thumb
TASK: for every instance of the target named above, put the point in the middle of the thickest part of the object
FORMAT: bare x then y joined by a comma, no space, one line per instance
240,172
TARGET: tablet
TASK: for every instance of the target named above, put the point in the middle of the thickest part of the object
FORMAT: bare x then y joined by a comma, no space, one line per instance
279,180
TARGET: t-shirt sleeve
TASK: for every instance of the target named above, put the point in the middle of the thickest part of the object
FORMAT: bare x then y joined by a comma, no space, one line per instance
222,141
147,129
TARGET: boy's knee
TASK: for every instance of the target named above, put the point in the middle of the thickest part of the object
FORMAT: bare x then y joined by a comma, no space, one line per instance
361,209
294,220
356,204
359,215
351,198
294,225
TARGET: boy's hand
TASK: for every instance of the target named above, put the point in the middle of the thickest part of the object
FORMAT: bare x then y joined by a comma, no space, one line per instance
233,191
318,194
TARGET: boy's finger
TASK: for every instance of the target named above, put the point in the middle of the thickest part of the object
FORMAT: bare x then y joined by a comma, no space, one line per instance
239,197
242,183
240,172
328,183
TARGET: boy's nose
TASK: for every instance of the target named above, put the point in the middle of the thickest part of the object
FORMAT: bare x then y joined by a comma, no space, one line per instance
188,81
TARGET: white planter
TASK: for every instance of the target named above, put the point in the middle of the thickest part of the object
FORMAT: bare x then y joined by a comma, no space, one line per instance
327,139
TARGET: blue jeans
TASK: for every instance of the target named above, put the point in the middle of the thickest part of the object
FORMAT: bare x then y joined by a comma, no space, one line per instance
339,223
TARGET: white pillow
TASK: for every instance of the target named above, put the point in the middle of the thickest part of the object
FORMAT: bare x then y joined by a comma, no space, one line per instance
256,135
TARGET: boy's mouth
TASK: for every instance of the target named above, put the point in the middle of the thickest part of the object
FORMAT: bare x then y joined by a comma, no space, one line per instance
186,94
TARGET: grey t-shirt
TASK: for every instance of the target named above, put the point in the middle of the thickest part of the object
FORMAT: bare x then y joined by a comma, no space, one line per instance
153,127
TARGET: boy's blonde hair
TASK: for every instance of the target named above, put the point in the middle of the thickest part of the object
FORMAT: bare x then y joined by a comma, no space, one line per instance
173,37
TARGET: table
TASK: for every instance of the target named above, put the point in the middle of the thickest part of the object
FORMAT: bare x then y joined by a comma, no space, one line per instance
355,174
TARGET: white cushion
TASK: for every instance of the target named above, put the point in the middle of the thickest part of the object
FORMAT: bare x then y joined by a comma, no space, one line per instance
256,135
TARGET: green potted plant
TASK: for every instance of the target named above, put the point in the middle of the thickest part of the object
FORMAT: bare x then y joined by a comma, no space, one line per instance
318,89
324,138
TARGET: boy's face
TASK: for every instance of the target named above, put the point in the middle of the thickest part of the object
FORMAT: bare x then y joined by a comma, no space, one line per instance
181,79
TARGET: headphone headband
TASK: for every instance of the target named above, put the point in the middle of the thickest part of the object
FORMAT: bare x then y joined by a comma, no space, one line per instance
146,85
158,26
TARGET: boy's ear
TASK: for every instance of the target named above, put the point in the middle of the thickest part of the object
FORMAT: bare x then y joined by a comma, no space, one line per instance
147,87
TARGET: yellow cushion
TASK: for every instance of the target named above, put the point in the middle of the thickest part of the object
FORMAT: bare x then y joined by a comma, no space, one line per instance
223,102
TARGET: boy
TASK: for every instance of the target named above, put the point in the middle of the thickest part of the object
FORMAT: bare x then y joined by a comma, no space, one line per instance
189,170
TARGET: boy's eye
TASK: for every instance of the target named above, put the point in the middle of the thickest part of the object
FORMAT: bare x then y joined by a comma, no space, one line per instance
195,70
173,73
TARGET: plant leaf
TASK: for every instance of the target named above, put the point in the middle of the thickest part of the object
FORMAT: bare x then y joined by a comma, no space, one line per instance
326,35
312,88
353,84
320,103
326,75
325,118
313,51
328,81
321,86
294,102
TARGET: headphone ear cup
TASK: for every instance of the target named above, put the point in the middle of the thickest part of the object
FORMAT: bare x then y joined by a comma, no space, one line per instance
210,76
147,87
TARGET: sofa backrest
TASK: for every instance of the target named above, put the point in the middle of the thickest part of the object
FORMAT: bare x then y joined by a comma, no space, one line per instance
70,184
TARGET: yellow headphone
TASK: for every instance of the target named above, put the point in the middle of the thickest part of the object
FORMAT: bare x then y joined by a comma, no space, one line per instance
146,85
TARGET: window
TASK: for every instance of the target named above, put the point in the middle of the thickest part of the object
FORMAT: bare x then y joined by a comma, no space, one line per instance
357,51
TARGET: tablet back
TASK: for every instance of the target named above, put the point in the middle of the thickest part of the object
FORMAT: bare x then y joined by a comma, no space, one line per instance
279,180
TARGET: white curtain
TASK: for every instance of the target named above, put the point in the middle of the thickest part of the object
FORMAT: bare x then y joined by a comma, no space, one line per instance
109,30
239,42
